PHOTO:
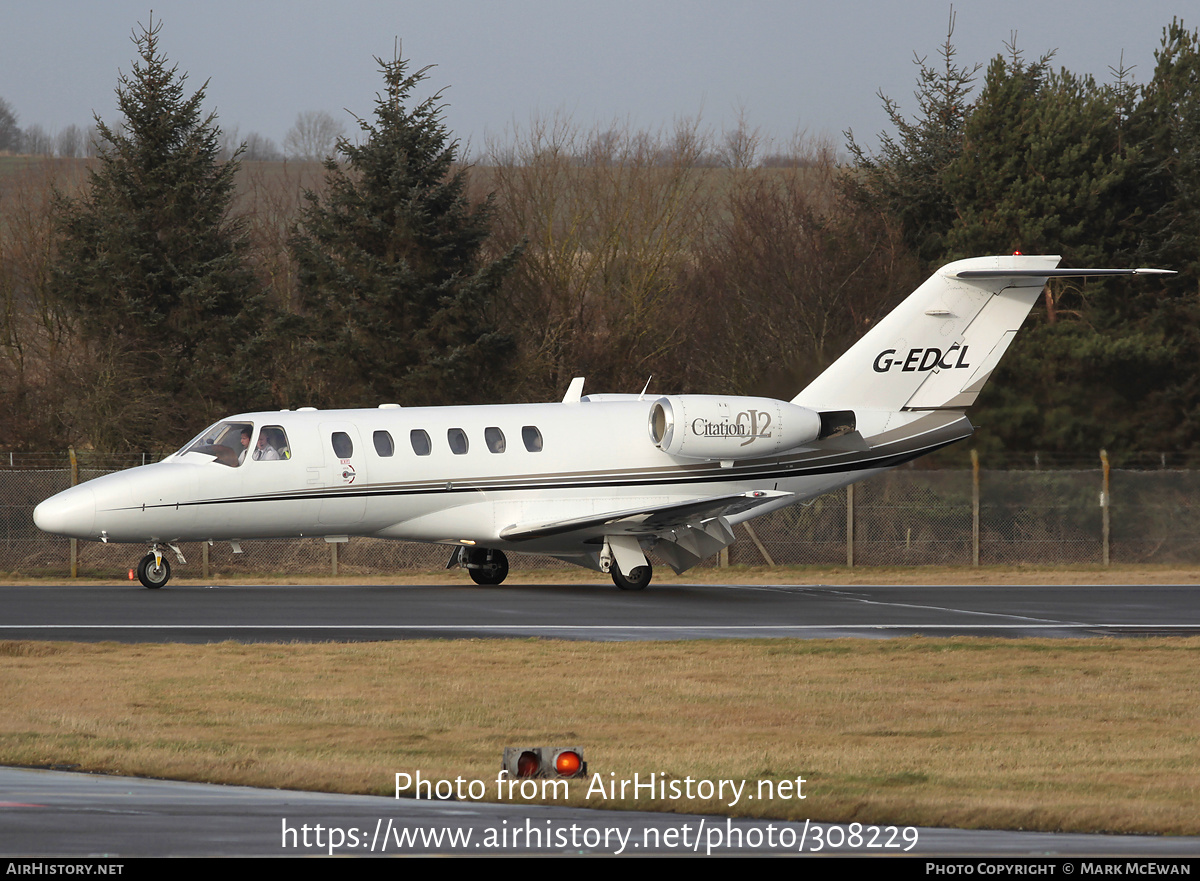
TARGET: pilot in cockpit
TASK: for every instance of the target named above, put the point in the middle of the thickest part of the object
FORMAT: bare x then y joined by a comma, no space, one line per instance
264,450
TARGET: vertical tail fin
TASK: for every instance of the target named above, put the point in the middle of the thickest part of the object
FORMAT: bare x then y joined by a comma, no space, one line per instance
937,348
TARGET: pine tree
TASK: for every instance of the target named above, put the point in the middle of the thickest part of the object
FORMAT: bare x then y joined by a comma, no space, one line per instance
396,294
905,180
1042,169
1166,122
151,268
1049,166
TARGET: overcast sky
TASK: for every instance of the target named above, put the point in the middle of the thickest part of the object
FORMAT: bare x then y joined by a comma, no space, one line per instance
808,66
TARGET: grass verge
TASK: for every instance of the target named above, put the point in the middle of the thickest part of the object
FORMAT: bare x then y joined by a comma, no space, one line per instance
1082,735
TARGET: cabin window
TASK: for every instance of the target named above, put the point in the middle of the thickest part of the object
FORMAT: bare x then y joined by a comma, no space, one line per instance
494,438
457,438
532,438
383,444
343,447
272,445
227,442
419,438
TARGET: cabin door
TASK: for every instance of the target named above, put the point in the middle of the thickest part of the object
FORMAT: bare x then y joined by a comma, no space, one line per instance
343,475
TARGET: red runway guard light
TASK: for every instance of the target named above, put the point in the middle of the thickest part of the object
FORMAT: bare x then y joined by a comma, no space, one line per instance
543,761
528,765
567,763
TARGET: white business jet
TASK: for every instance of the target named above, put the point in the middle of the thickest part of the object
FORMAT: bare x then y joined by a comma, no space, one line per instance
596,480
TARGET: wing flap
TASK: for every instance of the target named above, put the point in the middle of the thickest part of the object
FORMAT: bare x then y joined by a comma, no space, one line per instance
648,521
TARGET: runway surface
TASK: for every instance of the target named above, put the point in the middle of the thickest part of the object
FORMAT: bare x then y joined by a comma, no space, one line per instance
285,613
48,813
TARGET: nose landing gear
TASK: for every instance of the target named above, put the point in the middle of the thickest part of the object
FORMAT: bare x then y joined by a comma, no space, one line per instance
153,570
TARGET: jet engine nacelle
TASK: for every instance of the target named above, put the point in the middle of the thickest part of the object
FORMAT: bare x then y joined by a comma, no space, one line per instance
727,428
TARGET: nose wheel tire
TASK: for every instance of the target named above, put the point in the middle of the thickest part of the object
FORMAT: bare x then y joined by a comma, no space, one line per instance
636,579
151,574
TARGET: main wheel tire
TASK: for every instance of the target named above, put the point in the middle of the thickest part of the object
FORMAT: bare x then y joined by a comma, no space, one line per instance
493,568
637,579
151,574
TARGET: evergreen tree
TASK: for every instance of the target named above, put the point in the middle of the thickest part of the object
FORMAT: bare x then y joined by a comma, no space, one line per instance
151,268
396,293
1166,122
1049,166
905,180
1042,169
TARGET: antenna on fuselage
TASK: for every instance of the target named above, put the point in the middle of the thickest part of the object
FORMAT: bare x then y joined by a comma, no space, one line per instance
642,396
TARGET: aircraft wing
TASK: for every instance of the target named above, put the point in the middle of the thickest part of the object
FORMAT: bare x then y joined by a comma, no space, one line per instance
653,520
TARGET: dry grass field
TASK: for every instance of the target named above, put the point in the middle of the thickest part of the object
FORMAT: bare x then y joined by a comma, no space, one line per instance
1084,735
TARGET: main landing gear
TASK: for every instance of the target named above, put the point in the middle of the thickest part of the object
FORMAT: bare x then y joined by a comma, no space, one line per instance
486,567
622,557
637,578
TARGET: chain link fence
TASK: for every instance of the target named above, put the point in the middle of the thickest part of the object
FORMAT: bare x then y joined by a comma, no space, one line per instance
905,517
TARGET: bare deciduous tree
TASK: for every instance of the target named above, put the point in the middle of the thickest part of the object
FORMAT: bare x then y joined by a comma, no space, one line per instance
314,136
69,143
10,134
260,148
37,141
610,216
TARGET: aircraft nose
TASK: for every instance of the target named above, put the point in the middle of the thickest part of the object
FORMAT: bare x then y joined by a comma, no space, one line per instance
72,513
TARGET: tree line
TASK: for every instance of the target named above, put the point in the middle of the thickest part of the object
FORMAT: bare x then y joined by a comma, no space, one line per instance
170,281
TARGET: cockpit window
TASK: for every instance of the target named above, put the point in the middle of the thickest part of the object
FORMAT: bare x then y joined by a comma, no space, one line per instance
272,445
227,442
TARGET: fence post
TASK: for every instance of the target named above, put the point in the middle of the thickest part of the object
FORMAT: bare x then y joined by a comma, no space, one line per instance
1104,500
74,542
850,526
204,559
333,558
975,508
758,544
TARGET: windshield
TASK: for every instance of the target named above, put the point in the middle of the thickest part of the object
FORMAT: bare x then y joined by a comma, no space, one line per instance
227,442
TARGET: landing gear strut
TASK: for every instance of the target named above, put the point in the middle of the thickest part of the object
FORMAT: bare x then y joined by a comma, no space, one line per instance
487,567
153,570
637,578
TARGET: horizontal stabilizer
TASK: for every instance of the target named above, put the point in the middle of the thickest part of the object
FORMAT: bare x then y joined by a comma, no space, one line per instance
1055,273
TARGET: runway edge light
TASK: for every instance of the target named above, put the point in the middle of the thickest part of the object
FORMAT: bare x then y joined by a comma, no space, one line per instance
544,761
